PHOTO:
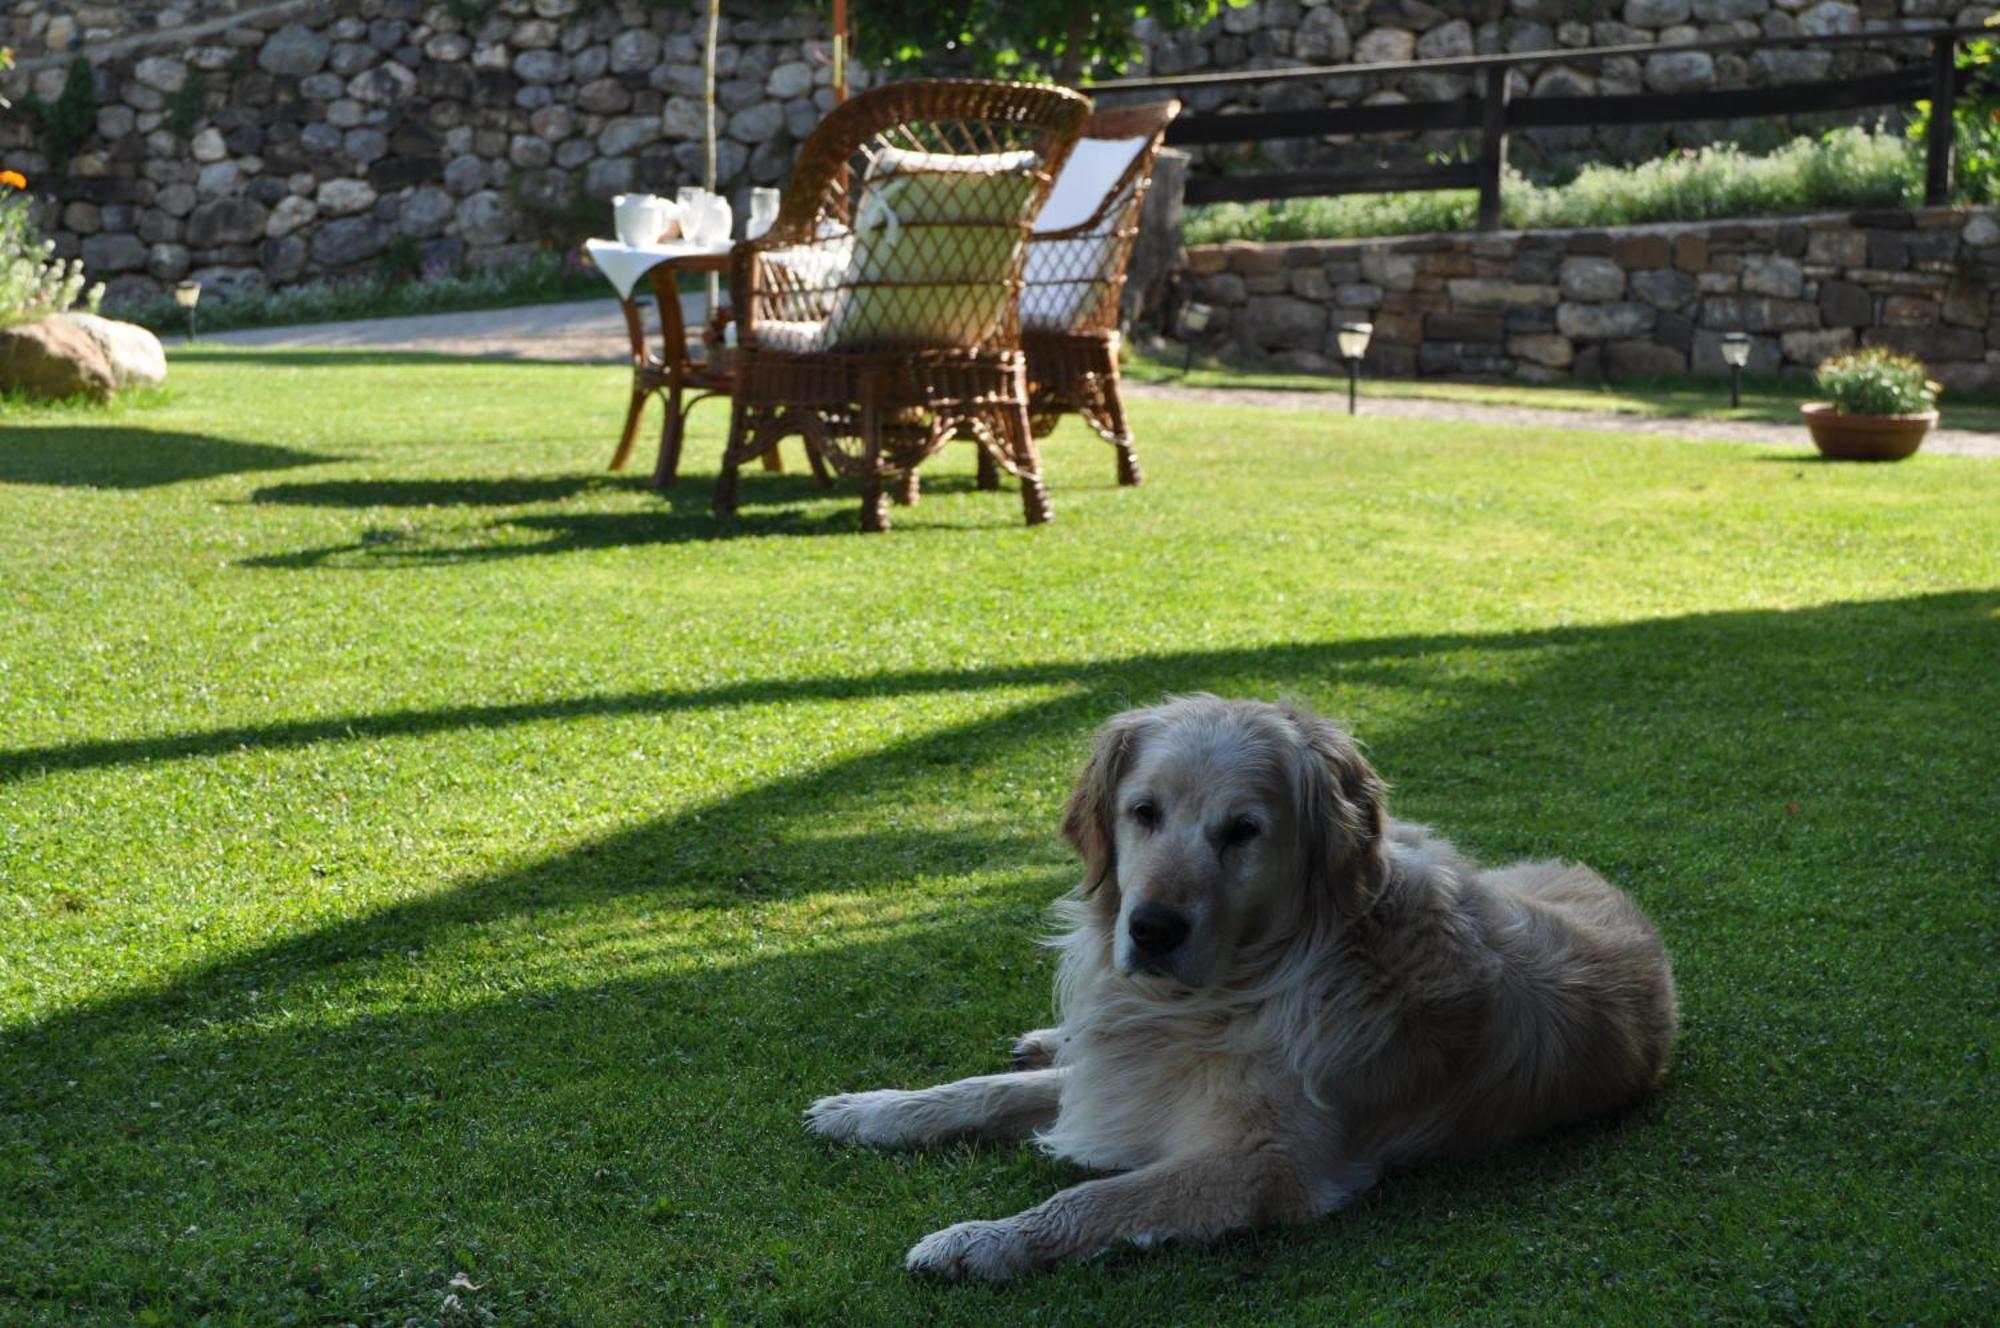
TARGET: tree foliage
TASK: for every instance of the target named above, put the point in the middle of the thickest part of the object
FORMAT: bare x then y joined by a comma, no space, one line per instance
1038,39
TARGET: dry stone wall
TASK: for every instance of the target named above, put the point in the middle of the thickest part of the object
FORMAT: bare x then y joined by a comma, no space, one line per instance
1274,34
1634,302
325,134
269,142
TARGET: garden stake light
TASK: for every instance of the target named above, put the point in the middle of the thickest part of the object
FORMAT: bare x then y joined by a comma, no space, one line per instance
187,295
1353,341
1736,354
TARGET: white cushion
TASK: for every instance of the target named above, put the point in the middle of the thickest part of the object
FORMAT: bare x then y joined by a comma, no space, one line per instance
1062,276
791,336
810,274
1061,279
1093,167
935,241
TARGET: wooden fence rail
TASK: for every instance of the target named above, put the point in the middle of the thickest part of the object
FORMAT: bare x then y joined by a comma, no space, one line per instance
1494,113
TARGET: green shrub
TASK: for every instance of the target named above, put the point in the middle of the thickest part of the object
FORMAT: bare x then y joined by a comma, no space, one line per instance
402,260
1975,156
33,282
1876,381
1846,168
1333,218
68,121
184,108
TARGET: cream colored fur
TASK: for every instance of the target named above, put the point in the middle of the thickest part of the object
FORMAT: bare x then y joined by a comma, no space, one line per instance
1355,995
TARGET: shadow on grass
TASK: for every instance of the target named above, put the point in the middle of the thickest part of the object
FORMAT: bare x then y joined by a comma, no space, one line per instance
613,1111
789,504
518,491
91,455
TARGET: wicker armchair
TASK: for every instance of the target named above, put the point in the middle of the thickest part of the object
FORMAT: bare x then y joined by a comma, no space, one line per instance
879,316
1075,275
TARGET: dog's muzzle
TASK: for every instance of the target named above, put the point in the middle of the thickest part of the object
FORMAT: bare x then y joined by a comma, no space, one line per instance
1156,931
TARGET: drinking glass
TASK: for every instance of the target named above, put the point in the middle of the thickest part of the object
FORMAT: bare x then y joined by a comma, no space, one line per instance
689,196
763,212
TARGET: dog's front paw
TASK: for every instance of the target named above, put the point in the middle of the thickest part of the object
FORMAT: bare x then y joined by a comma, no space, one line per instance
994,1251
861,1118
1036,1049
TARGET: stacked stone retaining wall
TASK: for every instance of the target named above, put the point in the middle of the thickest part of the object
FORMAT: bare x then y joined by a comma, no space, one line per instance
269,142
1631,302
322,133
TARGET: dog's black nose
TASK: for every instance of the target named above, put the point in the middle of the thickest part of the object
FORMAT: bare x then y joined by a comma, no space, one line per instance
1157,930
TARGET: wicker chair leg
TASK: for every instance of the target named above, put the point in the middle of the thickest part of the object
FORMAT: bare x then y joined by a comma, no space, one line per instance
908,490
874,507
724,502
821,475
989,470
1128,465
874,511
673,431
1112,395
1034,494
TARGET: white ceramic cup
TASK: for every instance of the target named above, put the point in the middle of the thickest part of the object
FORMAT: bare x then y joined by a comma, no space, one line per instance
640,219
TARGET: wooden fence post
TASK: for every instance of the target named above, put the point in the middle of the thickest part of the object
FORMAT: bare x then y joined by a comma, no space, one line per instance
1492,147
1937,141
1156,251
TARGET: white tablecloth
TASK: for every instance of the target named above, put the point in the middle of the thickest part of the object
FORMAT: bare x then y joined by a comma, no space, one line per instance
623,264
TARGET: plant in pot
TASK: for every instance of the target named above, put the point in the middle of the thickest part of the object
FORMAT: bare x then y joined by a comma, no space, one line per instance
1881,405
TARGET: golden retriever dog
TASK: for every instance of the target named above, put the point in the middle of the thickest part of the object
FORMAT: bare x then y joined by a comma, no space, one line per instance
1270,993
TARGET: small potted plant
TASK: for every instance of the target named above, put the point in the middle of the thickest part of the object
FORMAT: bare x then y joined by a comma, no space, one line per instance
1882,404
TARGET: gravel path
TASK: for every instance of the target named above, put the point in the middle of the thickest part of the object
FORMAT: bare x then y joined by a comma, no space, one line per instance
587,331
592,331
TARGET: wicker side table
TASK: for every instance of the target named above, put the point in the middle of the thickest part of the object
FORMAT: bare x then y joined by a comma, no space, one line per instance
678,378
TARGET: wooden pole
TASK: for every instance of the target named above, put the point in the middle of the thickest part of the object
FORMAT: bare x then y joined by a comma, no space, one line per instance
839,51
1156,253
1492,148
1937,144
708,128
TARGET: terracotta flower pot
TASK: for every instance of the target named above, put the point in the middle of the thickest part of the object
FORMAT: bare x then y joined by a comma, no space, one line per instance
1864,437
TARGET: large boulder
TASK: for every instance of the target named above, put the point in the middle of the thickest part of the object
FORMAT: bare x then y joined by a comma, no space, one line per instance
54,359
135,355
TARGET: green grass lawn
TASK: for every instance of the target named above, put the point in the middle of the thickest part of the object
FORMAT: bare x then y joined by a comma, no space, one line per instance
423,854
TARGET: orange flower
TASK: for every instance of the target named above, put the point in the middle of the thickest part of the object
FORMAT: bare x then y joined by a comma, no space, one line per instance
15,178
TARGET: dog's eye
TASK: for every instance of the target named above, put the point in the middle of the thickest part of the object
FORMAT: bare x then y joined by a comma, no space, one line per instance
1241,830
1145,813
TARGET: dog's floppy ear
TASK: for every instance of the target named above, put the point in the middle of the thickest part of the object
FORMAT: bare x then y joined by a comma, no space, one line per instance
1342,806
1090,819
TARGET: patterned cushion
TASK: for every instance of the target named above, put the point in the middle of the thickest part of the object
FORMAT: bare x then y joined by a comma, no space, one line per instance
936,238
791,336
798,282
